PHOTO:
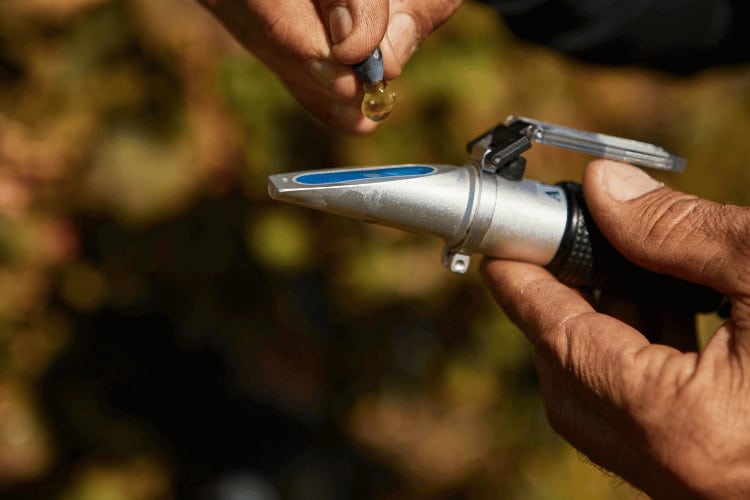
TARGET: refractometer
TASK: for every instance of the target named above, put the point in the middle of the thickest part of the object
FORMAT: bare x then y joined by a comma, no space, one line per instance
488,207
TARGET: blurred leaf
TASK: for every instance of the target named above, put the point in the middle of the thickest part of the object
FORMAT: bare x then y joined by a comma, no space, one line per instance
280,241
138,177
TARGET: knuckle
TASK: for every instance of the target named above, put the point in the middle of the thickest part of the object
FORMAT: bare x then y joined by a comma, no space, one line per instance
563,342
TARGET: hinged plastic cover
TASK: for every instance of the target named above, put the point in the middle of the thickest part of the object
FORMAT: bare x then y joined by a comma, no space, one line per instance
638,153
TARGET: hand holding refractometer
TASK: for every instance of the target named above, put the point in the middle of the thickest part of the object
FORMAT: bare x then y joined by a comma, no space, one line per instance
488,207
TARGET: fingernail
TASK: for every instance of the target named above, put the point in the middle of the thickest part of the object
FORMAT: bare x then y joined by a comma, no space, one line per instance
340,24
402,33
323,71
625,182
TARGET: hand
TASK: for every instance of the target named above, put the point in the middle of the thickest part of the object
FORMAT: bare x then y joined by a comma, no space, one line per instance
673,424
311,45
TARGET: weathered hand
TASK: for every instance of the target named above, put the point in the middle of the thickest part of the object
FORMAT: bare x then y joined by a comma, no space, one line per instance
311,44
673,424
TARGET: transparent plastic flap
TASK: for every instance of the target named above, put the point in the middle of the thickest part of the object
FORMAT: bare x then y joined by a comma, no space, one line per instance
638,153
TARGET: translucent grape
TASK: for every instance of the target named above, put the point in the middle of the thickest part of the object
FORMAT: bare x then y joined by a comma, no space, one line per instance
378,101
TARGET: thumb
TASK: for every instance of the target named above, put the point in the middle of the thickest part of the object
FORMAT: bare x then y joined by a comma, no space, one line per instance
411,21
355,27
670,232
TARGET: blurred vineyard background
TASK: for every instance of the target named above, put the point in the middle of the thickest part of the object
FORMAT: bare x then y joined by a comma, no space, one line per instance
166,331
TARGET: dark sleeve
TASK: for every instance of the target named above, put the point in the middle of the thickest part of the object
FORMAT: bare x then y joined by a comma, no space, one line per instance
674,35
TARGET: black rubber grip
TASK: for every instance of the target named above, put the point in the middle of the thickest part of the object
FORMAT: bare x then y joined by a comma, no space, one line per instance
586,260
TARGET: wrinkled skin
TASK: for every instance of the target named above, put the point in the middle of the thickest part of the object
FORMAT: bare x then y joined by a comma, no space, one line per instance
294,38
674,424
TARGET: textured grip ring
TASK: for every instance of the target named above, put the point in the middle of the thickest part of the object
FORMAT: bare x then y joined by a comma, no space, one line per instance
585,259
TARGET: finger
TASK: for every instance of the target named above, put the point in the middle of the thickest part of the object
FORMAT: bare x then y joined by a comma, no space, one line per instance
411,21
332,93
532,297
355,27
273,28
290,38
400,42
329,79
610,362
328,90
670,232
340,113
536,301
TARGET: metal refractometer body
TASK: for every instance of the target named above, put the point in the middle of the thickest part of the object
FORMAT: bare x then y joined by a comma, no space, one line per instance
488,207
